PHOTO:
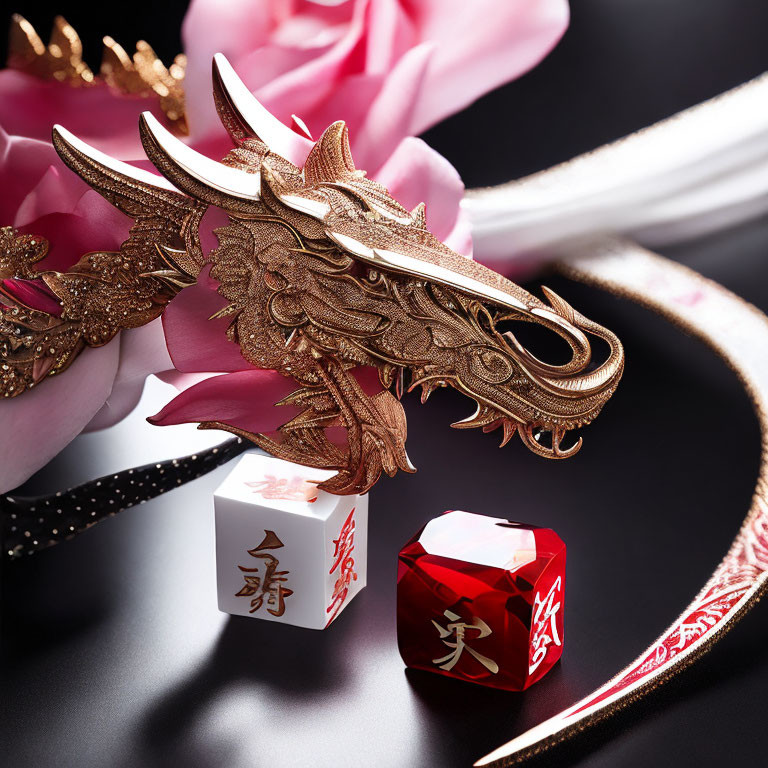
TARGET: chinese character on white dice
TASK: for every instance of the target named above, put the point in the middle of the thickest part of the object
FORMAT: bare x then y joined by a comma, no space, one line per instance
286,551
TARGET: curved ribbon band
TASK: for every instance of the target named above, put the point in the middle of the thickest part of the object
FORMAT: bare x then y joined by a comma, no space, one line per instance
738,332
31,523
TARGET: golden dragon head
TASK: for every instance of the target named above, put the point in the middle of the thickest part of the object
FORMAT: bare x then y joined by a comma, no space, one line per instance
326,275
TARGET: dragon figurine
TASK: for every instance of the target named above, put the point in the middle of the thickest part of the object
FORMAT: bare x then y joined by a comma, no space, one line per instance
327,277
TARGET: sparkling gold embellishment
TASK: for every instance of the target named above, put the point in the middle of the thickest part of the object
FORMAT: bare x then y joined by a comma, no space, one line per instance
62,60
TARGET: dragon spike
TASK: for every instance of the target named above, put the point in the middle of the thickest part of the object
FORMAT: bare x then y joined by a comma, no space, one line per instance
482,416
427,388
244,117
510,430
81,157
419,216
196,174
330,160
559,304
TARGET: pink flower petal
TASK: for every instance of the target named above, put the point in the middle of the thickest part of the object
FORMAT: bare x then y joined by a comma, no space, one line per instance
97,115
480,45
56,192
196,343
142,352
183,381
71,236
299,56
308,87
415,173
34,294
24,162
389,116
37,425
390,32
245,399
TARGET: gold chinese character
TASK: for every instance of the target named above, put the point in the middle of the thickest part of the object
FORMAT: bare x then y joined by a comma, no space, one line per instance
342,559
458,629
293,489
270,585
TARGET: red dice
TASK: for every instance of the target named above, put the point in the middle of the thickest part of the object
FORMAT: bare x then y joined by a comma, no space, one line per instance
481,599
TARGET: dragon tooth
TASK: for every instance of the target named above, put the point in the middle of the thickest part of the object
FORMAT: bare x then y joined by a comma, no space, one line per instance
482,416
427,388
399,383
510,429
409,463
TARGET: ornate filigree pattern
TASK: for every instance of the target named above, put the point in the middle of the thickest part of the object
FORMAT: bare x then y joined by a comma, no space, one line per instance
62,60
298,300
33,344
103,293
327,276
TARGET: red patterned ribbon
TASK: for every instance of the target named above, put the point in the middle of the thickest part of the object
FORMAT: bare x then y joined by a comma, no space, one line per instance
738,332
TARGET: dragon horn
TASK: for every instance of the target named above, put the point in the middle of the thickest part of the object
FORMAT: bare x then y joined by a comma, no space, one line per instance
330,160
244,117
82,158
196,174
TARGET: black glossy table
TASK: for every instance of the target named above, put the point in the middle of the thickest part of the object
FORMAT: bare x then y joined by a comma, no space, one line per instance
114,653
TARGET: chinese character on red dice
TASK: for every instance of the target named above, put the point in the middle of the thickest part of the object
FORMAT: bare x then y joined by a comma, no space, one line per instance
481,599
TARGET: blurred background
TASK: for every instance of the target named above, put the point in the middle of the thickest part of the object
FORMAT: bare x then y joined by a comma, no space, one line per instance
114,653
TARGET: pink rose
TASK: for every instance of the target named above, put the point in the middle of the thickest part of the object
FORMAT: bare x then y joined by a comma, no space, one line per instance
389,68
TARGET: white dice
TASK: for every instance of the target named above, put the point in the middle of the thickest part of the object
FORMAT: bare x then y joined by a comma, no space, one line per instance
286,551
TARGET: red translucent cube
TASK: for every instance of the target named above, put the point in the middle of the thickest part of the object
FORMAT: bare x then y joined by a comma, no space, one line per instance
481,599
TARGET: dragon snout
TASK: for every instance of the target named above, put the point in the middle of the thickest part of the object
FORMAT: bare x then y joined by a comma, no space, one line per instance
581,376
544,404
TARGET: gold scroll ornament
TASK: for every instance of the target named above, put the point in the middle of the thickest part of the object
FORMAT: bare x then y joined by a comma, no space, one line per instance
738,332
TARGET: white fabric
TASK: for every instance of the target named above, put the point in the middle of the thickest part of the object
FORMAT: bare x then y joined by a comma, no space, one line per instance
699,171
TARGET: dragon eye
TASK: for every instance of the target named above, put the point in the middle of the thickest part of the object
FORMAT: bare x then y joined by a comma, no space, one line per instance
490,366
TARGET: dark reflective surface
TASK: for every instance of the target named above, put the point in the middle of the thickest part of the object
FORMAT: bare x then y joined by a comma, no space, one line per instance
114,653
